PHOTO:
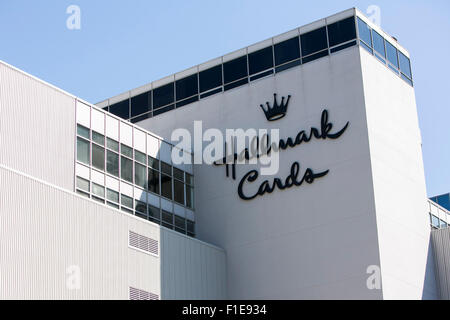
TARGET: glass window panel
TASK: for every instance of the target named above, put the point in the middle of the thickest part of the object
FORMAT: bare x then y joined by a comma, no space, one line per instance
98,138
314,41
152,162
121,109
166,186
391,53
83,131
140,175
126,201
112,144
83,184
83,150
341,31
112,205
141,103
190,226
189,179
434,221
140,207
163,95
180,223
189,196
166,168
112,163
178,174
153,181
211,78
167,217
154,212
126,150
139,156
98,157
186,87
235,69
162,110
178,190
112,195
287,51
126,169
260,60
405,65
378,44
98,190
364,32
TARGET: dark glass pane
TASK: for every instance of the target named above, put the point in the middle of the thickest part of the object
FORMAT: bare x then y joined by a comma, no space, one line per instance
162,110
364,32
235,84
190,226
163,95
141,103
83,131
180,224
152,162
98,138
365,46
153,181
166,186
167,217
187,101
189,196
344,46
112,163
189,179
178,174
126,169
166,168
341,31
314,41
126,150
98,157
141,118
211,78
261,75
112,144
121,109
235,69
210,93
391,53
260,60
405,65
154,212
83,184
378,44
187,87
178,190
83,150
139,156
287,51
113,205
315,56
140,175
288,65
140,207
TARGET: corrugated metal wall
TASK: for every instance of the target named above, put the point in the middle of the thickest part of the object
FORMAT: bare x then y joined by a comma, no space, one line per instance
37,128
50,238
441,248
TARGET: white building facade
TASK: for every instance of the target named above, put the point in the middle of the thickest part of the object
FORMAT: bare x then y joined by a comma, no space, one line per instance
345,217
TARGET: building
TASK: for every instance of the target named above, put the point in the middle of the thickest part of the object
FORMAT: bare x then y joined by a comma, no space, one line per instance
339,92
442,200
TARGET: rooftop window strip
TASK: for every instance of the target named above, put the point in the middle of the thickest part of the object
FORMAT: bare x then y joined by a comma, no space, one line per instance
210,78
314,41
187,87
141,103
392,54
379,44
121,109
364,32
341,31
260,60
235,69
287,50
163,95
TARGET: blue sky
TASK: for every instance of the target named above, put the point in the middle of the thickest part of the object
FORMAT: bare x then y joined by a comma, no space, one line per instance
125,44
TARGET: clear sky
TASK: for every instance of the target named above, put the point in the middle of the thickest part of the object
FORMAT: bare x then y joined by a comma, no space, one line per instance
125,44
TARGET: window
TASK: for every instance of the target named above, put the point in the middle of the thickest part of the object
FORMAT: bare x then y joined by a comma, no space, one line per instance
141,209
126,201
140,175
341,31
287,51
364,32
112,163
112,144
235,69
166,168
189,196
121,109
98,157
98,190
163,95
82,184
405,65
112,195
434,221
178,189
154,214
378,46
167,219
166,186
83,150
139,156
178,174
260,60
153,181
189,179
126,169
211,78
190,228
126,151
141,103
98,138
392,54
153,163
83,131
314,41
180,224
187,87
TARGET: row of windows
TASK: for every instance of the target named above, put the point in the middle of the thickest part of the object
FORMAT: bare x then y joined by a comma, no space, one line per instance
133,166
437,223
384,51
139,208
272,59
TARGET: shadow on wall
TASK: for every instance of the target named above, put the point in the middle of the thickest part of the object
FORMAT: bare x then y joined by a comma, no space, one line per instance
430,286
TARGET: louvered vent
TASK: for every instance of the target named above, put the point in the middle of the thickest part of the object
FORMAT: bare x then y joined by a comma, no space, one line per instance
137,294
144,243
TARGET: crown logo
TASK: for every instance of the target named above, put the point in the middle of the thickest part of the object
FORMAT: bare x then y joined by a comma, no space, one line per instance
277,111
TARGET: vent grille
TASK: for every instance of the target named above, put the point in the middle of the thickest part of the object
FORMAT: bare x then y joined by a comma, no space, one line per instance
144,243
137,294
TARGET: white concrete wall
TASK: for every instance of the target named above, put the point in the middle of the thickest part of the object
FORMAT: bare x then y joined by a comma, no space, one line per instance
399,182
44,230
315,241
